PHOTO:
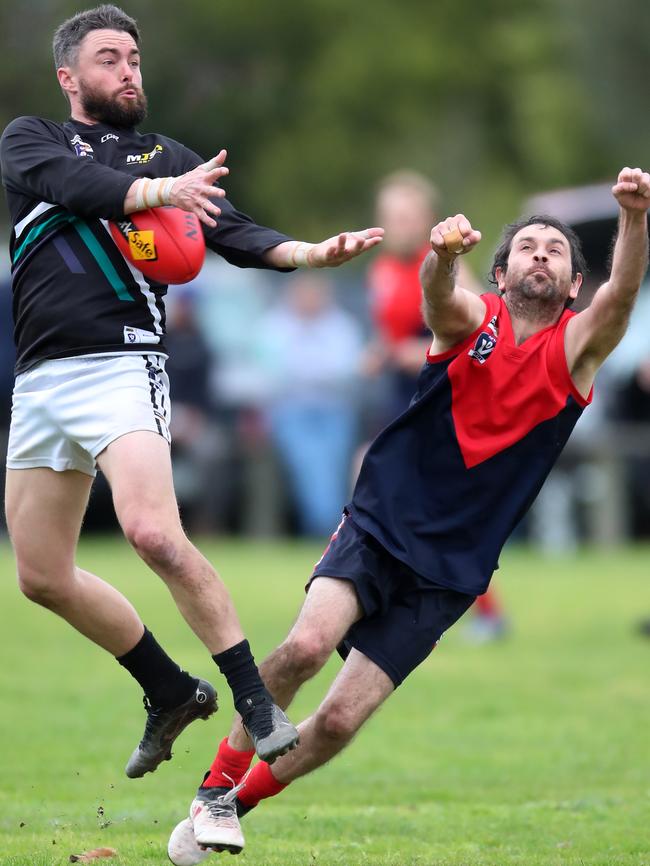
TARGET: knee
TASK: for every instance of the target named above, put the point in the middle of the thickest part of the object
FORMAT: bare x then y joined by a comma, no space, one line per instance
153,544
336,722
43,586
305,654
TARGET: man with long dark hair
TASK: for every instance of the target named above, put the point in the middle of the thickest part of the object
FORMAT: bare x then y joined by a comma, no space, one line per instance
440,489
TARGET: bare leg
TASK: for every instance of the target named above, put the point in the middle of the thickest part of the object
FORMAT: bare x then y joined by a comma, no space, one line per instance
358,690
329,610
138,467
44,514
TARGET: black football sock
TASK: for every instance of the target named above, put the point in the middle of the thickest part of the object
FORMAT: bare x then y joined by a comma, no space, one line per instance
238,667
162,681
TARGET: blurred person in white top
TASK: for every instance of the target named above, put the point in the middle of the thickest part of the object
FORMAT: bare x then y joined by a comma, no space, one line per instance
312,349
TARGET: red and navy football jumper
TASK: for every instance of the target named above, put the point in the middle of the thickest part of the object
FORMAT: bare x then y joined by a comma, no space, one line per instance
443,486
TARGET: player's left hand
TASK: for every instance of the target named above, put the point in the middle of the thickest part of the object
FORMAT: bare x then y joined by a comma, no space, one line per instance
343,247
632,189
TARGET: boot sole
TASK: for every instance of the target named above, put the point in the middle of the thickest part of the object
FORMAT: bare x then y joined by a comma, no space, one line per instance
281,748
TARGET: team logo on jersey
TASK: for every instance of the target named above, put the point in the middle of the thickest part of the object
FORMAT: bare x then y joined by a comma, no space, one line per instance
81,148
110,136
485,342
143,158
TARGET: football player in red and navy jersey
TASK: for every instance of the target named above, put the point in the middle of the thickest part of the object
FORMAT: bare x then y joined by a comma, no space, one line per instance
406,206
440,489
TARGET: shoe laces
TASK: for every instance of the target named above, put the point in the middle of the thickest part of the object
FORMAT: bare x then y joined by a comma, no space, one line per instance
225,806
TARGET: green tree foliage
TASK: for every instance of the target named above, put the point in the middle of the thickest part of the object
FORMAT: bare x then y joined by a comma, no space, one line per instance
315,101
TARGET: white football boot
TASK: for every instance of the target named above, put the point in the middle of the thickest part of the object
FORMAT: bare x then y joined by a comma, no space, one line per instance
214,817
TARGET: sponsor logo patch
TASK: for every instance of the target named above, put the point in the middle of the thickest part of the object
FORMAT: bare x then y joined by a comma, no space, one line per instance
142,244
144,158
110,136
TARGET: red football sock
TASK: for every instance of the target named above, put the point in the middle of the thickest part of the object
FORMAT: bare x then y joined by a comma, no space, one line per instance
488,604
260,784
229,764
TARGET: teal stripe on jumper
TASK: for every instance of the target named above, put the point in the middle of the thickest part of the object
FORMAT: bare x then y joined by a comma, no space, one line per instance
37,231
102,260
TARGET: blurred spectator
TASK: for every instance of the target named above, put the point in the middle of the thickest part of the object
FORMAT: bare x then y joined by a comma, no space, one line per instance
199,450
230,303
406,207
312,349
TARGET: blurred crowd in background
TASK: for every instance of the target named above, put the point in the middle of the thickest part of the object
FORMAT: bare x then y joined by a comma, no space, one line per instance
278,382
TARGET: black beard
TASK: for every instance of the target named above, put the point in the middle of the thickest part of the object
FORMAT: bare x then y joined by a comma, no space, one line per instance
107,109
526,301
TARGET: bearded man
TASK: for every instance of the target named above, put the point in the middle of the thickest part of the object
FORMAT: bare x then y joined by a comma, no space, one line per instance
440,489
91,389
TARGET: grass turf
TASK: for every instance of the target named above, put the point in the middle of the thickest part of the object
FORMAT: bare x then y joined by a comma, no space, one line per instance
533,750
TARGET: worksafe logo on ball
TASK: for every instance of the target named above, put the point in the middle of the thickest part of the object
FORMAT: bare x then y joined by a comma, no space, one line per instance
142,246
485,342
81,148
142,242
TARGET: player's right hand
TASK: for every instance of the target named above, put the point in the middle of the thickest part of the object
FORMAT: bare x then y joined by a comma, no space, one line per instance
632,189
194,190
453,236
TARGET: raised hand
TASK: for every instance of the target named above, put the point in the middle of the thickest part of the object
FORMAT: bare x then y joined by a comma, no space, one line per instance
453,236
632,189
194,190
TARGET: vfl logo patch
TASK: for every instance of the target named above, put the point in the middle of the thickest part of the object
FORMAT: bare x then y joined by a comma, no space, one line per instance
139,335
485,342
81,148
143,158
142,244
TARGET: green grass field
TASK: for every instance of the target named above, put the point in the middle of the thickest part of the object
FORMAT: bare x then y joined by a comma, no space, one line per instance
533,751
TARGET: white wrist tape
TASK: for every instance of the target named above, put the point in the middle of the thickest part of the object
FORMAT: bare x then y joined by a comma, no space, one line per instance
300,255
153,193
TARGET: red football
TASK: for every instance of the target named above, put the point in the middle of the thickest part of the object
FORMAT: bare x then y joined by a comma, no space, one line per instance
165,243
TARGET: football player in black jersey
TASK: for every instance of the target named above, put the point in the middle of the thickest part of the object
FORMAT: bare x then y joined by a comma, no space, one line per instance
91,389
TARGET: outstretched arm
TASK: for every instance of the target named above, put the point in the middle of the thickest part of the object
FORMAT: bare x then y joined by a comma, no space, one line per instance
328,254
451,311
595,332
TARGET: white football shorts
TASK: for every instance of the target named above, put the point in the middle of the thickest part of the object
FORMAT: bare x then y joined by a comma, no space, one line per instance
66,411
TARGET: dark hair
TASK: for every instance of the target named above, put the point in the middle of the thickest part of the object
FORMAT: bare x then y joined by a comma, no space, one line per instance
578,263
68,36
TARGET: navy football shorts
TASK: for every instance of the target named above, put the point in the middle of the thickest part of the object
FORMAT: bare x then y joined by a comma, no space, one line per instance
405,614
